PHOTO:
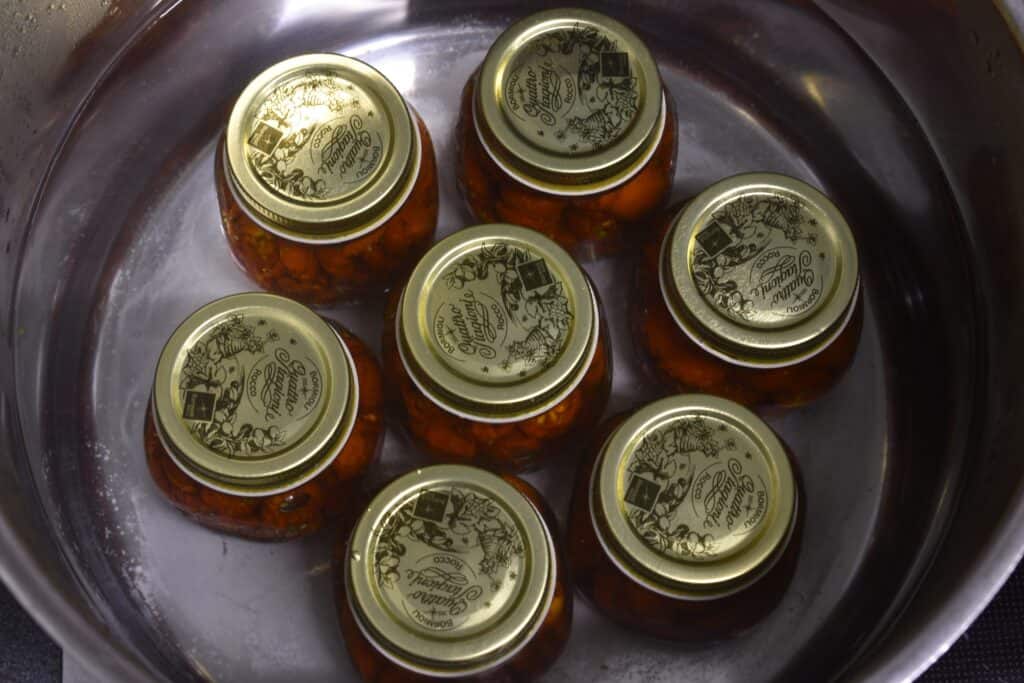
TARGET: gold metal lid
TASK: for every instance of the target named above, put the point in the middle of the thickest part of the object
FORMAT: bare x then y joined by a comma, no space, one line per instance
321,148
693,496
254,394
761,269
569,101
497,323
450,570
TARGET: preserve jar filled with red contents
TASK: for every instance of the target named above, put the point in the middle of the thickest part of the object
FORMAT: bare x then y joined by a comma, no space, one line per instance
751,291
326,180
453,573
496,349
566,128
262,418
684,521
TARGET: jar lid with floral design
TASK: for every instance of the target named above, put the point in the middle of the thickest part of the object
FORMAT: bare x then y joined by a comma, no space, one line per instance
693,496
497,323
254,394
450,570
569,101
321,148
761,270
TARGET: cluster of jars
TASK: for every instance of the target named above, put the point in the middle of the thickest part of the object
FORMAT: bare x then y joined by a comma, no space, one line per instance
685,515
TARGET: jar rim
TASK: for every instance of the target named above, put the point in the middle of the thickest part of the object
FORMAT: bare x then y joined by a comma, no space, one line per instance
693,496
254,394
321,148
760,269
497,323
569,101
473,578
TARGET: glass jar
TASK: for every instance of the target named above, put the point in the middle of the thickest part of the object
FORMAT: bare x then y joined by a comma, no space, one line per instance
262,417
751,291
453,572
326,180
684,521
565,128
496,349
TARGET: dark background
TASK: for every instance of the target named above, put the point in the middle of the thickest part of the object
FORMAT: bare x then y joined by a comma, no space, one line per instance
992,651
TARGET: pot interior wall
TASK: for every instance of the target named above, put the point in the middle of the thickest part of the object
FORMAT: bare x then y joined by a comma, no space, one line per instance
125,242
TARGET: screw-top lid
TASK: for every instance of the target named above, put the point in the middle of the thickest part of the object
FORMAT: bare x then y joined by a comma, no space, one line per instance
450,570
497,322
569,101
254,394
693,496
321,148
760,269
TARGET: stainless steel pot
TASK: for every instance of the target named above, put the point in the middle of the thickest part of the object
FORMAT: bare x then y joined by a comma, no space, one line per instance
908,113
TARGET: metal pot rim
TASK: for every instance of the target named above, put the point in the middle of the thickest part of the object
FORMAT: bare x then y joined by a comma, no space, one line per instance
78,634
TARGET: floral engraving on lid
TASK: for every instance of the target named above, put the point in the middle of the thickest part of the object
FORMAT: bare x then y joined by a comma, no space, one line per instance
248,389
572,91
449,560
500,314
317,138
762,260
696,489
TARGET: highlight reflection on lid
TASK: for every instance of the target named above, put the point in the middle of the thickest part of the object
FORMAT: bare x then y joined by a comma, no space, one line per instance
320,146
761,268
497,321
570,99
694,496
254,394
450,568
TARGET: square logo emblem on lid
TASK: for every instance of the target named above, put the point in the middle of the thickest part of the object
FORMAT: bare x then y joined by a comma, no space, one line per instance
615,64
431,506
642,493
199,406
713,239
534,274
265,138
